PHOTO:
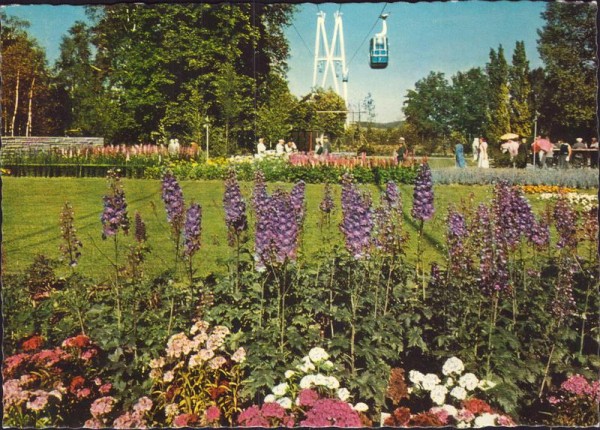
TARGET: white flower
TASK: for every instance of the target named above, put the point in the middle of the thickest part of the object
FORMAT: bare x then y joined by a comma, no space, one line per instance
168,377
332,383
449,382
416,377
307,381
306,367
317,355
171,409
328,365
485,420
438,394
453,365
239,356
281,389
270,398
429,381
289,373
468,381
285,402
361,407
451,410
195,360
486,384
343,394
459,393
321,379
462,425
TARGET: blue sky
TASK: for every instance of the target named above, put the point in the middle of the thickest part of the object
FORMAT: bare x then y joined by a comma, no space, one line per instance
439,36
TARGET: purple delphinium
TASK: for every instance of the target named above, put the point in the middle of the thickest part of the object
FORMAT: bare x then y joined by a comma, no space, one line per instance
297,199
565,219
259,195
423,195
71,247
392,195
284,226
174,204
327,205
493,262
563,304
140,228
357,222
192,230
456,235
235,208
114,216
389,236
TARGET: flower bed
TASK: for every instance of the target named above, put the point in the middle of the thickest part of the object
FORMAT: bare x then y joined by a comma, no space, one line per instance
513,298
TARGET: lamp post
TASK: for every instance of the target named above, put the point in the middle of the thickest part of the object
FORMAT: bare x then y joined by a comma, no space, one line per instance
534,136
206,125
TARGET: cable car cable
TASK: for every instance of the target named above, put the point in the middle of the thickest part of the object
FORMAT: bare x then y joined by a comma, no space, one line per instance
303,41
367,36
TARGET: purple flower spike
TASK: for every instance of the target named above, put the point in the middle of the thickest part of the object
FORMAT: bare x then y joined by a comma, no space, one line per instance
174,203
357,222
423,195
260,195
192,230
564,304
493,262
140,228
392,195
235,208
284,226
327,205
565,219
114,215
297,199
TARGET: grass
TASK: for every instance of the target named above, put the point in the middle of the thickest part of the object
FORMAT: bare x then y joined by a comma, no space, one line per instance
31,209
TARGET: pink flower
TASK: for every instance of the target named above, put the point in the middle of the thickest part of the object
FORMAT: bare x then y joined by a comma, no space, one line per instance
89,354
465,415
185,420
33,343
307,397
12,394
128,421
577,385
83,393
38,403
102,406
12,363
252,417
213,413
331,412
553,400
78,341
272,410
143,405
441,413
105,389
93,423
505,421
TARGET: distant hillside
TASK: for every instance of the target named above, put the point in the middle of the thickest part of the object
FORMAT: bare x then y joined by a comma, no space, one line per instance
393,124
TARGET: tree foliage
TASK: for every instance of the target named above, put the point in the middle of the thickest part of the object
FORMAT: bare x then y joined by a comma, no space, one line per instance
499,111
567,46
521,117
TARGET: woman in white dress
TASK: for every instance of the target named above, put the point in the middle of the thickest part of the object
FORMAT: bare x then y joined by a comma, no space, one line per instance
484,162
475,148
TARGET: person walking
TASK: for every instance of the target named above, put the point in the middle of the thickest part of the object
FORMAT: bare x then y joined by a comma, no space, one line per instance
564,154
545,147
401,153
459,155
484,161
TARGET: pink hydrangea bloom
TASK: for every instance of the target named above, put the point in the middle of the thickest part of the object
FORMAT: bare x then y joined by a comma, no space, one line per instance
143,405
12,394
272,410
331,412
577,385
251,417
185,420
102,406
129,421
307,397
213,413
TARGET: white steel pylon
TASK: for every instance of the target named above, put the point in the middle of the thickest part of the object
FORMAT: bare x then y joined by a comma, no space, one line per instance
333,59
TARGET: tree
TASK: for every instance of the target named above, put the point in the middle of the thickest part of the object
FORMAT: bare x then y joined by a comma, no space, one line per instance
274,116
498,121
521,117
323,105
567,46
469,102
427,110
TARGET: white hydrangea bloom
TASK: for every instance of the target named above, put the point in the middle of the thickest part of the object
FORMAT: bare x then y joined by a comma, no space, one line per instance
307,381
361,407
485,420
449,382
415,377
438,394
306,367
459,393
317,355
332,383
270,398
328,365
321,379
343,394
450,410
285,402
289,373
429,381
281,389
453,365
468,381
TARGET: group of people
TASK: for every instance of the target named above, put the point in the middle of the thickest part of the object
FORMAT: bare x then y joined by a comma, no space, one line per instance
480,153
281,148
566,153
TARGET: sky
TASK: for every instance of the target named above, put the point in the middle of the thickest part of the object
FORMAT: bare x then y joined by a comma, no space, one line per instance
428,36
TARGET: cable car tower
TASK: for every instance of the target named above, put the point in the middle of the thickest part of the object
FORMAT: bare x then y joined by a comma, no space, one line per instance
332,59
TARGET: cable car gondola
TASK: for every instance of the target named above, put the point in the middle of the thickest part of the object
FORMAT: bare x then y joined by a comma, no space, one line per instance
378,48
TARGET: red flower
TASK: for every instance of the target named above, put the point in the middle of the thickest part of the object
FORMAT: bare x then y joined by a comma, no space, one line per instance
12,363
399,418
33,343
105,389
83,393
78,341
76,383
185,420
477,406
425,419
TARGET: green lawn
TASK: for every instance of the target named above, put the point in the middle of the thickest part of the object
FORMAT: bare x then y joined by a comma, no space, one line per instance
31,209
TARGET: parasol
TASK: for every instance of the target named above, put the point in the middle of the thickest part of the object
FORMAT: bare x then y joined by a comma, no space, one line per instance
509,136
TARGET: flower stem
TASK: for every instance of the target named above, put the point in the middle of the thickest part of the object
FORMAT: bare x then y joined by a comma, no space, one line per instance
546,372
490,330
